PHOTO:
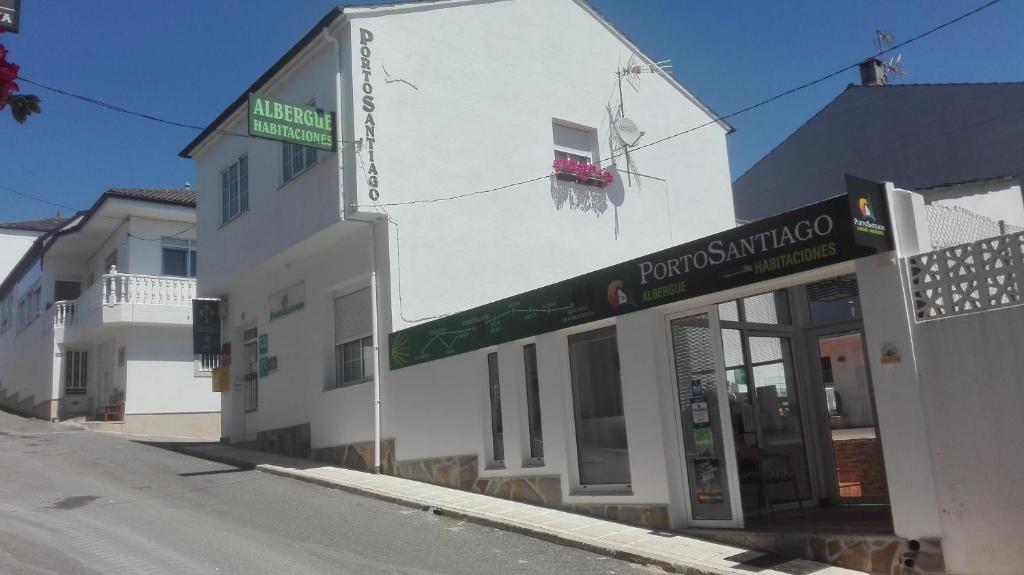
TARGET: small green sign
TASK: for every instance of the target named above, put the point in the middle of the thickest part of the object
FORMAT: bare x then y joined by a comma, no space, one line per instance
264,344
264,367
285,122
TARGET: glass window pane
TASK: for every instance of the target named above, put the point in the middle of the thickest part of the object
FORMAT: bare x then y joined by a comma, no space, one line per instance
286,162
834,300
310,156
233,184
533,402
225,193
729,311
770,308
367,359
494,387
601,444
765,349
243,182
192,263
732,347
175,262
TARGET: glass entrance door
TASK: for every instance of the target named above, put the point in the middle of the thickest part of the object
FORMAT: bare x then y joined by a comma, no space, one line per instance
856,452
764,405
709,466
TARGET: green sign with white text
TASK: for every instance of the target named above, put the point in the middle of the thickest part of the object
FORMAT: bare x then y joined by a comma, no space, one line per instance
275,120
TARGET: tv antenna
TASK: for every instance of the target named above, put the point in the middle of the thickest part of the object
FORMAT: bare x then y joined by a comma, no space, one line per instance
882,39
624,132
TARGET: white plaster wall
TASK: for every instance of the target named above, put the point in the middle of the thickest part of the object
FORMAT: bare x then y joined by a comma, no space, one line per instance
303,343
27,361
279,216
117,240
478,114
13,245
996,200
161,376
145,247
914,136
970,369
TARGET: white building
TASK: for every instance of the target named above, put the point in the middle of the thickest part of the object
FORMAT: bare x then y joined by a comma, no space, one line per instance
17,237
95,319
783,390
922,137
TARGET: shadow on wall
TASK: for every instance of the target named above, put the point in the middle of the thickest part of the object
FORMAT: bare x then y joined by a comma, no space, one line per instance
579,198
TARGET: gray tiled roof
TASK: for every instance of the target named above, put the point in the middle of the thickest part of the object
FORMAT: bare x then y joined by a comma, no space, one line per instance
182,196
43,225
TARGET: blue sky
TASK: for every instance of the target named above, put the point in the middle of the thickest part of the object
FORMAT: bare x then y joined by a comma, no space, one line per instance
186,60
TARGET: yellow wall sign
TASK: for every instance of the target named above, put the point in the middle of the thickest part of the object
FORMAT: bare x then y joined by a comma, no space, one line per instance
221,379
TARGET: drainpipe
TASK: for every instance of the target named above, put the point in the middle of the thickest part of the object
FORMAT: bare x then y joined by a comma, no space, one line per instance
375,311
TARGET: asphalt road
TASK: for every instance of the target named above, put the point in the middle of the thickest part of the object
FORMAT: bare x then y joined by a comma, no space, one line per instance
81,502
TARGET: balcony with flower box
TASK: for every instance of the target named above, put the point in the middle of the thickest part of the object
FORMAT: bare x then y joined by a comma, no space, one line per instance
125,299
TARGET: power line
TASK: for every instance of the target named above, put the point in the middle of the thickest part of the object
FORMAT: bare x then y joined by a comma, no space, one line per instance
718,119
116,108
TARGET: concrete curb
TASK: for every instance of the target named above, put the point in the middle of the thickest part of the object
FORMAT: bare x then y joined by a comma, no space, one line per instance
583,542
586,544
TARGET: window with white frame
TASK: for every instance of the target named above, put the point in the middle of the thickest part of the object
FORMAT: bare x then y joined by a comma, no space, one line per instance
30,306
6,313
572,143
497,429
296,158
179,257
234,189
353,339
76,369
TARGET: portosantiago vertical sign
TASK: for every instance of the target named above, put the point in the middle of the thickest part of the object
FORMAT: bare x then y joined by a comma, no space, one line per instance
10,15
284,122
814,236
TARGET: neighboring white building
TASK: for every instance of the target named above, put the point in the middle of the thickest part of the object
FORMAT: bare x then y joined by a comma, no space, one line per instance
95,319
17,237
922,137
465,96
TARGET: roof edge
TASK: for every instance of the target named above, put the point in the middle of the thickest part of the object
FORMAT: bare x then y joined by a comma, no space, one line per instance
333,15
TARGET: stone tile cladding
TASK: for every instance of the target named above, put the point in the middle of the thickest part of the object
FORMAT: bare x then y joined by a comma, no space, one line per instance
358,455
871,554
293,441
876,555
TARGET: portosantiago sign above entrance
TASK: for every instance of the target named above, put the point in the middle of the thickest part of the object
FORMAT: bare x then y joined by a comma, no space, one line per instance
821,234
275,120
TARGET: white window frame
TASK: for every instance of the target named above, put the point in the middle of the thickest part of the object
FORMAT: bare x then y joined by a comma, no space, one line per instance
357,337
179,245
6,313
493,371
563,152
290,152
234,189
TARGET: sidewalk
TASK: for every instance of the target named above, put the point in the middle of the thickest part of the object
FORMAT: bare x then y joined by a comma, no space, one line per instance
670,551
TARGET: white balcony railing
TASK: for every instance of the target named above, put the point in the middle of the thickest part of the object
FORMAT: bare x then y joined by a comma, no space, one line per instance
116,289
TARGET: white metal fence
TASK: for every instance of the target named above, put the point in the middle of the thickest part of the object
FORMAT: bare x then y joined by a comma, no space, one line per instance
969,277
951,226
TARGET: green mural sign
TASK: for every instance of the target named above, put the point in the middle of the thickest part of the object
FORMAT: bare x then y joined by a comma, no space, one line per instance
810,237
275,120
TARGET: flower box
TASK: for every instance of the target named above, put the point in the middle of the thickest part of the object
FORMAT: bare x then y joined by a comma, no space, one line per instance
582,173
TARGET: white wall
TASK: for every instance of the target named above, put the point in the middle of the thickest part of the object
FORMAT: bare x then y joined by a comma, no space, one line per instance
161,377
13,245
479,113
970,369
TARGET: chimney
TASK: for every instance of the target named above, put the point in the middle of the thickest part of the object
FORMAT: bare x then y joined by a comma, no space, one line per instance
872,72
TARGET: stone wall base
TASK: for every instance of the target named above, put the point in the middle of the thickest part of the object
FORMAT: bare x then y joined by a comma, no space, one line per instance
191,425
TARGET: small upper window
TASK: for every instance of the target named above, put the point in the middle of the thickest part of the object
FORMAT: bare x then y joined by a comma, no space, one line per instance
179,258
234,189
296,158
574,143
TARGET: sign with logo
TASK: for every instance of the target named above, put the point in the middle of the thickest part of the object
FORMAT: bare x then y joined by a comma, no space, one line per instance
276,120
221,379
206,327
287,301
870,213
10,15
810,237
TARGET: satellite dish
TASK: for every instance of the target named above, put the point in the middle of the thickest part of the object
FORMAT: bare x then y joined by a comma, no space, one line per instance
627,131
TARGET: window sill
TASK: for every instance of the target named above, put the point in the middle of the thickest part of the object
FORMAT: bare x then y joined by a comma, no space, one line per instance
533,463
495,466
349,384
297,176
233,219
602,491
